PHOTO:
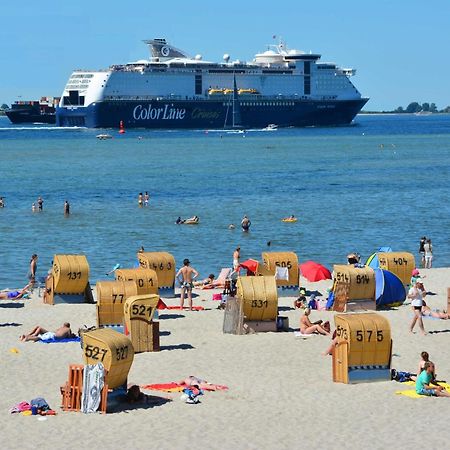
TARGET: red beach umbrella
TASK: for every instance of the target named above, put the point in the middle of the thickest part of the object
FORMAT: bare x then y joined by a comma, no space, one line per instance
313,271
251,265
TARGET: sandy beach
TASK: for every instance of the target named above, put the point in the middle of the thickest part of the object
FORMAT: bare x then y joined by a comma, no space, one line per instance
281,393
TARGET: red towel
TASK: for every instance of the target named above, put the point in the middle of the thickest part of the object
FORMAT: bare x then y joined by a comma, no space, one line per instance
196,308
178,387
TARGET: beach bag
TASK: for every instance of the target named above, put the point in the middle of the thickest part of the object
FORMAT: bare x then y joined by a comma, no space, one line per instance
312,304
217,297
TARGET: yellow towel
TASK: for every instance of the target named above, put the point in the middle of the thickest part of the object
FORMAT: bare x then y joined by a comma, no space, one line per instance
413,394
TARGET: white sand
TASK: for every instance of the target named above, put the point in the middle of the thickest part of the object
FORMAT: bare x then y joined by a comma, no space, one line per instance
281,393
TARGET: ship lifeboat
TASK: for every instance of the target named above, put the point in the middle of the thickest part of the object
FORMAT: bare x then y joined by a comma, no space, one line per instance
228,91
215,91
248,91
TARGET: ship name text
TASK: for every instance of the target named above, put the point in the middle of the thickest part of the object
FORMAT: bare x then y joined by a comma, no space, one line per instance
162,113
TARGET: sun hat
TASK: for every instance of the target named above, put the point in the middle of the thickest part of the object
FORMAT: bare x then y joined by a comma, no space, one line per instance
419,281
415,272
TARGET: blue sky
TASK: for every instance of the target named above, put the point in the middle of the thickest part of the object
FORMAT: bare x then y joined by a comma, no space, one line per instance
399,48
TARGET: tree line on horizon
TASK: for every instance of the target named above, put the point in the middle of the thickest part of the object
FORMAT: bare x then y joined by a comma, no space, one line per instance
416,107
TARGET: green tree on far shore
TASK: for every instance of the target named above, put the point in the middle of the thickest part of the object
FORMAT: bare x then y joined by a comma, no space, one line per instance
414,107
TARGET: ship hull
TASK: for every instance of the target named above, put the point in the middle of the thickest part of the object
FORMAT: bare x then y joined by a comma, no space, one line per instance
27,116
210,114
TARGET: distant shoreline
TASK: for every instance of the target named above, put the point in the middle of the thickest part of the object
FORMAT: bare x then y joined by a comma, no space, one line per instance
394,113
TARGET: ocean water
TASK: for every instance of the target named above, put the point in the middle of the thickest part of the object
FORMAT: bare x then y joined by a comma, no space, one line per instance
383,181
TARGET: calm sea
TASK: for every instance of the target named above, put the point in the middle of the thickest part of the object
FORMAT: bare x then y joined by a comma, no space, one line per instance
383,181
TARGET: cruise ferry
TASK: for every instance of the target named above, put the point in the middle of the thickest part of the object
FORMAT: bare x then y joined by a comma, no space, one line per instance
172,90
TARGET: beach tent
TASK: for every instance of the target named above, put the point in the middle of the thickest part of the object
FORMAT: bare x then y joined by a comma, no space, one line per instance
372,260
389,289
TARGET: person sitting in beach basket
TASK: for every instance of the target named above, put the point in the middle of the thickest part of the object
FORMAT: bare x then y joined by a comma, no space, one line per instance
307,327
41,334
15,295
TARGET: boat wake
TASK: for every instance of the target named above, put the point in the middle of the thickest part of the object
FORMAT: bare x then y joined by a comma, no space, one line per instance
42,128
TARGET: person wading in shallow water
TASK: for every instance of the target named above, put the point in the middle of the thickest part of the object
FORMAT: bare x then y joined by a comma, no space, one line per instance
245,224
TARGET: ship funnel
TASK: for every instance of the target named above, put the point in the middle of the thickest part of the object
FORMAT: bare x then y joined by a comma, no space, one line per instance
161,50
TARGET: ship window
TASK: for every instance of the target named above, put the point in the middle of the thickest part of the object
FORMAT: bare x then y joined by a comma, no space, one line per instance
307,67
307,86
198,84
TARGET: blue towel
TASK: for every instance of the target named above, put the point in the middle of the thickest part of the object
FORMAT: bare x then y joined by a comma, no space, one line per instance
61,341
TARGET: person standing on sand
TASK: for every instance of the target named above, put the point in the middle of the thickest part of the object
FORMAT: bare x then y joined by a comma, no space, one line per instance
186,276
66,208
428,248
245,224
422,250
416,294
33,268
40,202
236,256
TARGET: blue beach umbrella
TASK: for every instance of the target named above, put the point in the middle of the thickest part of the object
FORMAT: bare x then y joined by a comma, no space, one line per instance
389,289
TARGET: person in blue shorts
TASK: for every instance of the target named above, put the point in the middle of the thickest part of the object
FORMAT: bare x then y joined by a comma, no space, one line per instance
15,295
424,386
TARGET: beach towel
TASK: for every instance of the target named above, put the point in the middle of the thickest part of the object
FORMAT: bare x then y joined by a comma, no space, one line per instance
20,407
60,341
179,387
282,273
195,308
299,334
411,393
93,379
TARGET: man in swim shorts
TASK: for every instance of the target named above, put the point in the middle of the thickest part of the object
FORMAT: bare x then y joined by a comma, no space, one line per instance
186,275
41,334
424,386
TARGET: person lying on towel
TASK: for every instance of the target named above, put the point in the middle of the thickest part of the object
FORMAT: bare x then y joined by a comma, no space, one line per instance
206,282
15,295
41,334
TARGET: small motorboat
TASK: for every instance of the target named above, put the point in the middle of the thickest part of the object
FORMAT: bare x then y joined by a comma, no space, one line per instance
289,219
102,137
271,127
